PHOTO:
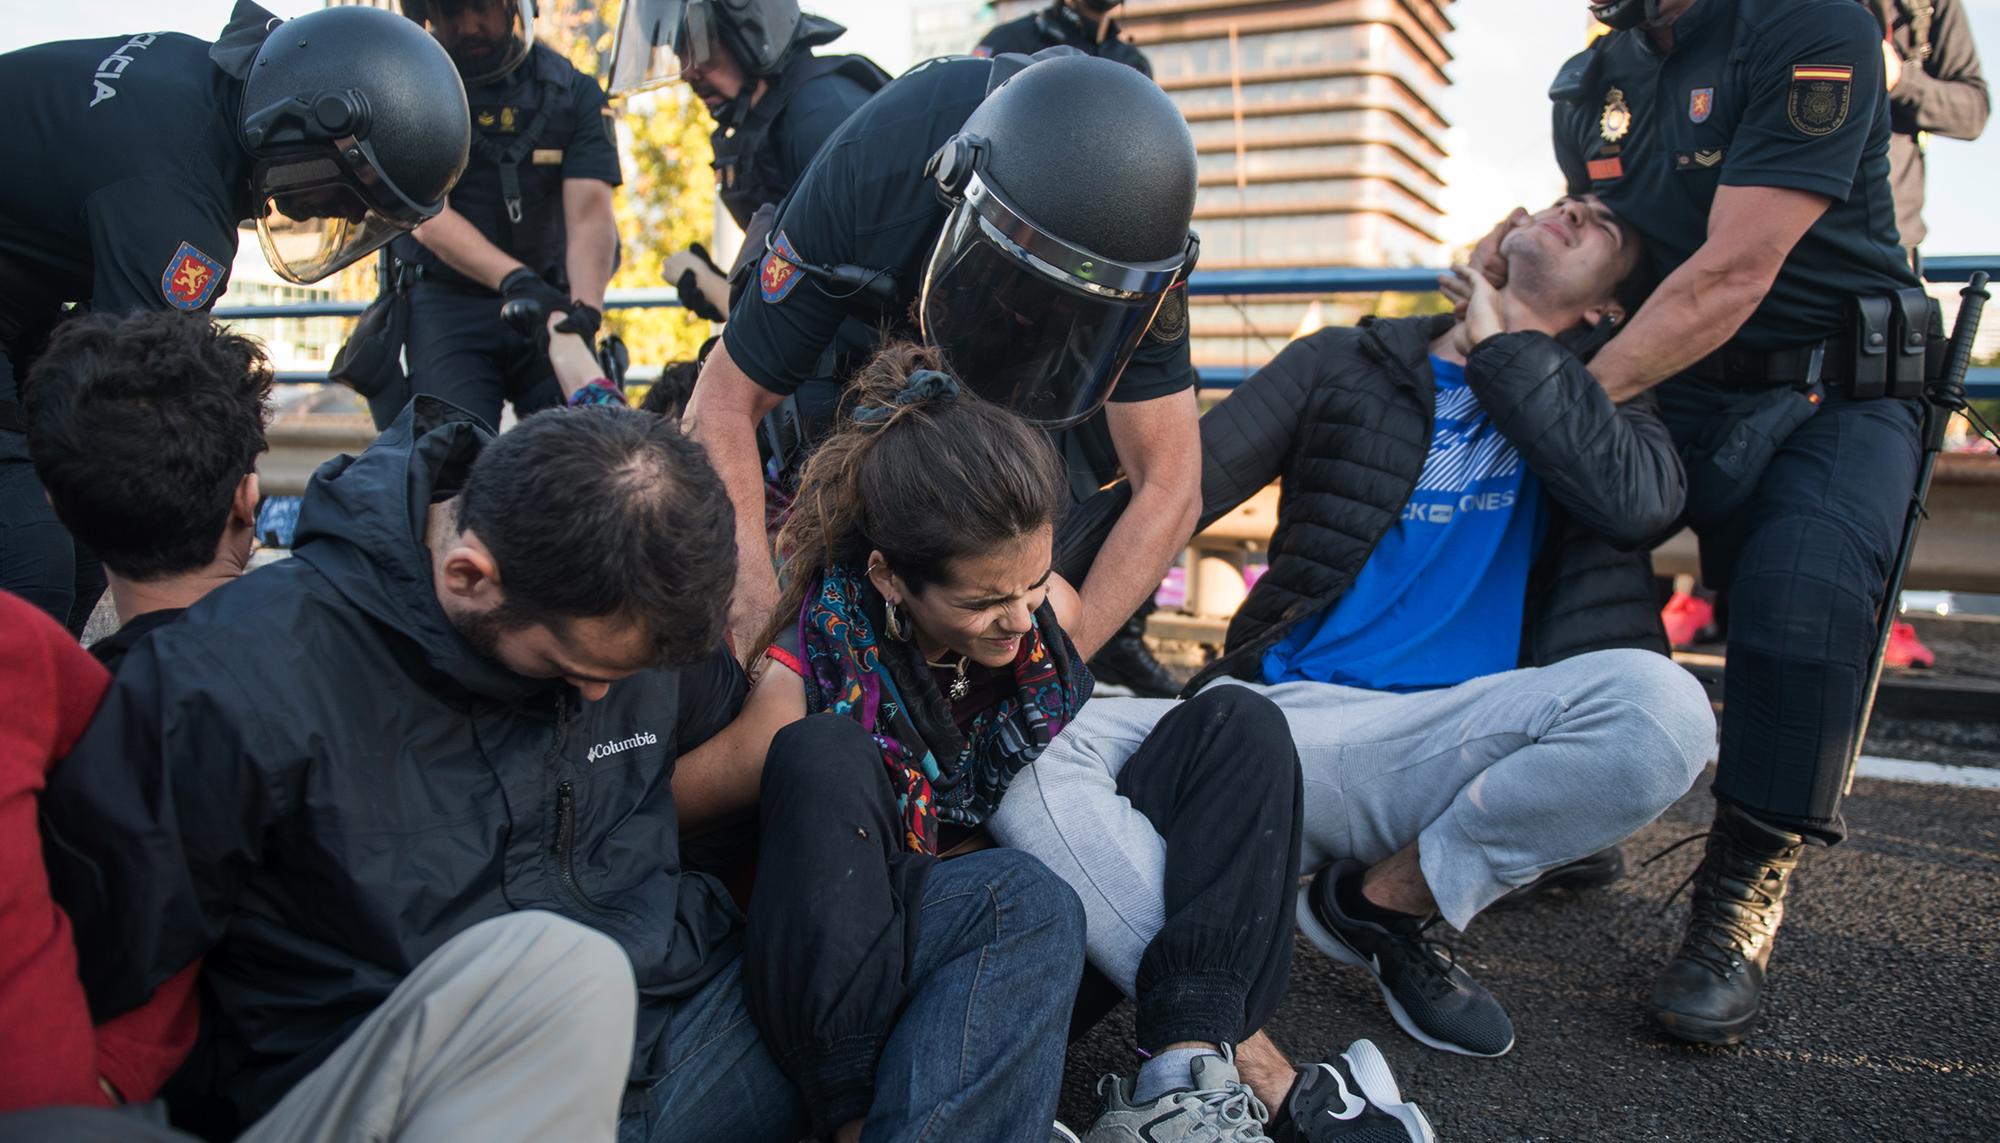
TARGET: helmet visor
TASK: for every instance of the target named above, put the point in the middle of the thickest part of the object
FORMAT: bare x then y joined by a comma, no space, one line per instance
658,39
314,216
1048,348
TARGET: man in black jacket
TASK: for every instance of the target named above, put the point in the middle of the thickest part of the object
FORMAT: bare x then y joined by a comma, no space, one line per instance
1459,499
473,690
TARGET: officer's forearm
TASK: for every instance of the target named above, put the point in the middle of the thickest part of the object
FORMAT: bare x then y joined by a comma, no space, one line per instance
1691,315
460,245
1147,539
722,417
591,231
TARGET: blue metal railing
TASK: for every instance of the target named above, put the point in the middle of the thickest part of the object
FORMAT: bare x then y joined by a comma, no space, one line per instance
1982,383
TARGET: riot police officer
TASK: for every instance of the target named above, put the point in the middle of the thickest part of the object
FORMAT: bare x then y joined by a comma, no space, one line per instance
1748,141
774,102
531,218
1085,25
134,158
1046,256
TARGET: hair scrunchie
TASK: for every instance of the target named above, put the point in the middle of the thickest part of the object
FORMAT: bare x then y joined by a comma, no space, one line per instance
922,386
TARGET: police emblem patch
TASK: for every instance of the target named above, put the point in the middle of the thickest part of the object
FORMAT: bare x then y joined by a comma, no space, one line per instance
190,278
1170,322
1818,101
1701,101
1616,121
780,272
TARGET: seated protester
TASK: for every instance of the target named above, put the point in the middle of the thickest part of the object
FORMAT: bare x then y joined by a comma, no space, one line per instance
50,1053
145,430
1460,499
460,707
921,660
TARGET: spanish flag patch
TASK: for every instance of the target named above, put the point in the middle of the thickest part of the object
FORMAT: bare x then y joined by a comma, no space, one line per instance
1818,99
1833,72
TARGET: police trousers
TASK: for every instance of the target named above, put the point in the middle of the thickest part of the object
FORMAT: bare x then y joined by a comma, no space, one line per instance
459,349
39,561
1805,563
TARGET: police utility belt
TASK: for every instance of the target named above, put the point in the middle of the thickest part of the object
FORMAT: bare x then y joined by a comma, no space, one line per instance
1892,345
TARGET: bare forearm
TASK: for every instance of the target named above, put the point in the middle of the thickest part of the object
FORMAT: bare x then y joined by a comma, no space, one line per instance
1698,308
593,247
1148,538
718,781
460,246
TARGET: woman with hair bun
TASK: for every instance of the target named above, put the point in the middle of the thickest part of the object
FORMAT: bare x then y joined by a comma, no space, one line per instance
917,664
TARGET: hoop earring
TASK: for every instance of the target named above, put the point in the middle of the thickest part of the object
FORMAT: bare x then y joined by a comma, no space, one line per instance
896,630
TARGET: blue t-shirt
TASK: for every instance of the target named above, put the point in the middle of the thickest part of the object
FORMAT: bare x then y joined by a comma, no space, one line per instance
1439,601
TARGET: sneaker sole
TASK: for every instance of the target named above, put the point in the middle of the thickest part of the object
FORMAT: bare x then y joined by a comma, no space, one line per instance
1378,1086
1696,1030
1329,942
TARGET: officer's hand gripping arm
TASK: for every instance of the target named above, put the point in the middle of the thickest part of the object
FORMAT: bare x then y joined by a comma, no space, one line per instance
1701,305
722,416
460,246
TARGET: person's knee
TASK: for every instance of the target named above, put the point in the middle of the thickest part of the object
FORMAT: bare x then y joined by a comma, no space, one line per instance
1259,751
822,751
1037,902
1664,724
567,966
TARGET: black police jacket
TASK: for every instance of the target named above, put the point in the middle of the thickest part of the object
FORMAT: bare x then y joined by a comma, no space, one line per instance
311,780
1059,24
759,160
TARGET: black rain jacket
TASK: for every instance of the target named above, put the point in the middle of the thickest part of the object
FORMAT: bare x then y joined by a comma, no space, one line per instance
314,782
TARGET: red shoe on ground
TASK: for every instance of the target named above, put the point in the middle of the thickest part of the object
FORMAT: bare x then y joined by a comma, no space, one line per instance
1905,649
1685,615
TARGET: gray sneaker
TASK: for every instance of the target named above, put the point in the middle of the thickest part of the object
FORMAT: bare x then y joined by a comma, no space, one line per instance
1218,1109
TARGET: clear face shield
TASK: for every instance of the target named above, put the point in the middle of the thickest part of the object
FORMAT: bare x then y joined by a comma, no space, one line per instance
658,39
317,214
1030,322
485,39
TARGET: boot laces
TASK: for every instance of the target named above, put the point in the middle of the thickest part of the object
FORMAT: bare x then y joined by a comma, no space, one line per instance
1720,937
1433,957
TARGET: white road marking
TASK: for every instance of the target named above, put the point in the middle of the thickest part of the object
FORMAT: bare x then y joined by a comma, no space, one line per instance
1933,773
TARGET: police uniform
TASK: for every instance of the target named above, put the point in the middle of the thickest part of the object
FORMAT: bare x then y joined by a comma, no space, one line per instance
129,182
1940,92
1789,94
759,160
547,122
865,210
1061,25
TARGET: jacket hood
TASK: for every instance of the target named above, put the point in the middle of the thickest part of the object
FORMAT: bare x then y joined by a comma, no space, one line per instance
362,526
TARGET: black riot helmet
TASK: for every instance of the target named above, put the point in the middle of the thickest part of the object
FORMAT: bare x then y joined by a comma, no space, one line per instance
486,38
1068,230
1623,14
356,124
656,39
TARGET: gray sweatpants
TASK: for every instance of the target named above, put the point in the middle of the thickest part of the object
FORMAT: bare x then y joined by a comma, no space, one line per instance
520,1027
1496,780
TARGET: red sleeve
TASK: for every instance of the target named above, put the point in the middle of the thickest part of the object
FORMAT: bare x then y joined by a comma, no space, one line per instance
139,1051
47,1050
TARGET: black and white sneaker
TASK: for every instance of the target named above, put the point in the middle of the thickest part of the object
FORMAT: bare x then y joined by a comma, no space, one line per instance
1351,1098
1432,998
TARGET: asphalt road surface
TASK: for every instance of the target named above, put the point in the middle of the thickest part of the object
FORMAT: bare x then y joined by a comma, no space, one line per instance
1882,1020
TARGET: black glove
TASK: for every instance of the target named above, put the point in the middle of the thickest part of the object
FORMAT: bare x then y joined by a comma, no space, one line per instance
584,320
692,299
526,285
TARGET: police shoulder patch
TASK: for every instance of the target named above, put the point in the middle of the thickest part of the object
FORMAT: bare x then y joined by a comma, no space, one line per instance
780,273
1819,97
1170,322
190,278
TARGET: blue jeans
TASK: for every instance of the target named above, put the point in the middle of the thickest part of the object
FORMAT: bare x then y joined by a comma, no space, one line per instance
977,1053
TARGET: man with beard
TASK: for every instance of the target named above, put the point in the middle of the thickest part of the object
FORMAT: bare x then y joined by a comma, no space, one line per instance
474,691
530,219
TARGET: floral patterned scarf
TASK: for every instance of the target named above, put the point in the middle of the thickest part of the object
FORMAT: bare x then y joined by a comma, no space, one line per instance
940,774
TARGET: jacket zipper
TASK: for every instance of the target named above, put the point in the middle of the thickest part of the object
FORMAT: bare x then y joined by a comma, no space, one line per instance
565,839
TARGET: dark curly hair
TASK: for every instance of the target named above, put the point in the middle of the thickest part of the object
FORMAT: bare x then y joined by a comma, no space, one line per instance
141,426
607,511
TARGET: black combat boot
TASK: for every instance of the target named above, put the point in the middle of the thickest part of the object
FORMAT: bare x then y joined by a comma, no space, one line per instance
1713,989
1127,662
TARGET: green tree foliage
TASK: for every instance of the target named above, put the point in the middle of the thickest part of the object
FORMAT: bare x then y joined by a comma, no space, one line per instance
668,198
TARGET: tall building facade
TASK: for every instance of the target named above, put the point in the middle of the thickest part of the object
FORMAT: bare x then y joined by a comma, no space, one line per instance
1319,138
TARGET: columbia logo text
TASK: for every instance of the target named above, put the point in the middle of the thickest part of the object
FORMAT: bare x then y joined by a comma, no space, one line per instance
606,749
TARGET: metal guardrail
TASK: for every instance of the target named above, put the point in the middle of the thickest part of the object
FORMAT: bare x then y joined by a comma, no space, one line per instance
1980,383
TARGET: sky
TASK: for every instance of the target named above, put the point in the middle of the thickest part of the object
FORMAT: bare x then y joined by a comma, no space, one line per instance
1499,141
